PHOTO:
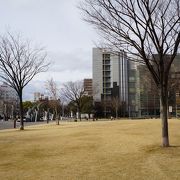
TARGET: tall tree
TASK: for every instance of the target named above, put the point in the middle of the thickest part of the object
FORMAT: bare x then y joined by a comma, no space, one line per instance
54,101
74,91
19,63
144,28
87,102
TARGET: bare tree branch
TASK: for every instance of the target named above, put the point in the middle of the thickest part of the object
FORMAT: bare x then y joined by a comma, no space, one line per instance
73,92
19,63
149,29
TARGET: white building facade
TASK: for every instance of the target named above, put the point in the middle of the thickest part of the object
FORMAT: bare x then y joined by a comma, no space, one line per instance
110,76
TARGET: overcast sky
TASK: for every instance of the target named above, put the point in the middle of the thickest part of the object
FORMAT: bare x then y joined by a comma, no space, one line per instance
57,26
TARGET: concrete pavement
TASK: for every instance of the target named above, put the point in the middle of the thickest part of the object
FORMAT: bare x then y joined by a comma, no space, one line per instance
10,124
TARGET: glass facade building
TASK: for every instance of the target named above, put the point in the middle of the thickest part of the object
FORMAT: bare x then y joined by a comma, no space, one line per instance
114,76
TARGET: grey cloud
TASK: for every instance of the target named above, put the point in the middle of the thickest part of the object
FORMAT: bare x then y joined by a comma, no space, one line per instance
57,25
73,61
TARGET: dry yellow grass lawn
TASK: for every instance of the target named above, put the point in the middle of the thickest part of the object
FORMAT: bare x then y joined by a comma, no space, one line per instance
91,150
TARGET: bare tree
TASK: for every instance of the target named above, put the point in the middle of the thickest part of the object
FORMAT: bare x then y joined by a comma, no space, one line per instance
54,102
74,91
52,88
19,63
144,28
115,104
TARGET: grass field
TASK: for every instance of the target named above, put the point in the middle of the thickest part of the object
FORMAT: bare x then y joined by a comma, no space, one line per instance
91,150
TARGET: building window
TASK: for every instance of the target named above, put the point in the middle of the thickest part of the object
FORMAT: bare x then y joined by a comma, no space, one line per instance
131,79
132,90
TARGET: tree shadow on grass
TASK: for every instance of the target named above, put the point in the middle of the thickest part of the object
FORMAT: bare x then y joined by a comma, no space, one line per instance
33,129
157,148
174,146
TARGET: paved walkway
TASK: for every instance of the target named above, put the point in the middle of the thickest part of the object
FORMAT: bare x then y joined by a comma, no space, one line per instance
10,124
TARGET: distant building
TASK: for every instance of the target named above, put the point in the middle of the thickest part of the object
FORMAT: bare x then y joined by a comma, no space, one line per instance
174,93
133,89
40,97
110,78
148,95
149,103
7,93
37,96
88,90
114,76
9,101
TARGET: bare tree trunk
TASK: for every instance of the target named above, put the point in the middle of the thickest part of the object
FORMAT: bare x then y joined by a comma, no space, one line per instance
57,121
56,116
79,112
21,111
47,115
164,116
79,115
116,113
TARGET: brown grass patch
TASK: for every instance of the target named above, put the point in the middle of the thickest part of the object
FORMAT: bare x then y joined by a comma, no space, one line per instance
90,150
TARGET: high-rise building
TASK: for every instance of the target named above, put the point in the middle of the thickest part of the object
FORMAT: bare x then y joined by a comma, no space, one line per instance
115,76
110,77
149,104
133,90
174,86
148,94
